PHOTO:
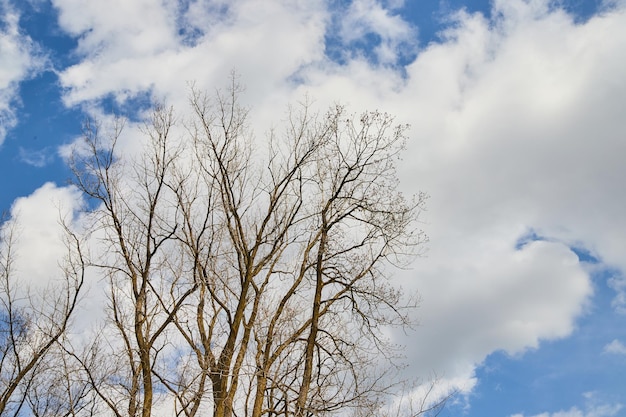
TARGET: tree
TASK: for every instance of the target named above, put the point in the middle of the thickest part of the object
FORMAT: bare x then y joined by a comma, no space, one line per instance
246,279
32,323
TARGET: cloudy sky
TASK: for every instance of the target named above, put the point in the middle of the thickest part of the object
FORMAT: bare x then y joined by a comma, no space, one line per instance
518,133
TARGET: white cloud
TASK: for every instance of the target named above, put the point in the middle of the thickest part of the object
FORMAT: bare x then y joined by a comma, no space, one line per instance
517,125
604,410
615,347
489,297
370,17
20,59
143,50
36,157
39,246
618,284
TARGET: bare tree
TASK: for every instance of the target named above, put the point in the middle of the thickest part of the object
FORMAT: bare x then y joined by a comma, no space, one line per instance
248,279
32,323
147,283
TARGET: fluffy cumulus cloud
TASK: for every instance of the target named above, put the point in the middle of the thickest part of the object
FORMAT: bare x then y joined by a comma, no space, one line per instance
38,223
517,133
131,47
486,297
20,59
510,139
39,236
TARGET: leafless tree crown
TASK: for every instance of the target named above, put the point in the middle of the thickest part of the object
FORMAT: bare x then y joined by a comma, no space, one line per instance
242,278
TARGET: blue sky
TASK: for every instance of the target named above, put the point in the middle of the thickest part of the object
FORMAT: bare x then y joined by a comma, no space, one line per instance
516,108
